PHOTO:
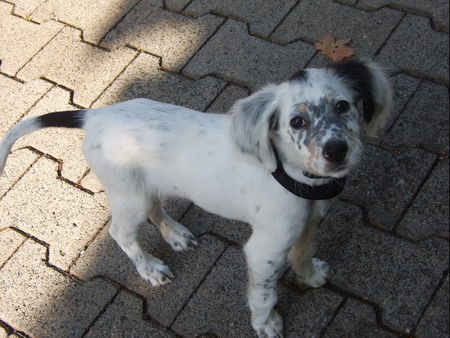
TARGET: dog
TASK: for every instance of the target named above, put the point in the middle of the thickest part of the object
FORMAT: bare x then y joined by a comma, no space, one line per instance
276,162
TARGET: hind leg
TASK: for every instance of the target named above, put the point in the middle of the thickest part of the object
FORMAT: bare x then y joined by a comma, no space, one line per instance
176,235
129,211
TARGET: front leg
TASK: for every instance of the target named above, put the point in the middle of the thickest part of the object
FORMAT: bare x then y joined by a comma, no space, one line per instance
266,256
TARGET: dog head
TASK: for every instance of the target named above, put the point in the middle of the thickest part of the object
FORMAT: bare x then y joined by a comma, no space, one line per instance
314,119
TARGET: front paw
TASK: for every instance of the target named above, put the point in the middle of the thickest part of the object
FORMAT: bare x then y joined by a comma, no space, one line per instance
319,274
272,328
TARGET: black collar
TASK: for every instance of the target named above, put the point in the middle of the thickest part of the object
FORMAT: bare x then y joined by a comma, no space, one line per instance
310,192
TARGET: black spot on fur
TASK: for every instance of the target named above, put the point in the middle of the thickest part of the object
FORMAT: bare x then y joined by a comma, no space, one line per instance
64,119
358,76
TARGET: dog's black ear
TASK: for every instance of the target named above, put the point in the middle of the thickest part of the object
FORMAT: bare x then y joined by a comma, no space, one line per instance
253,119
371,86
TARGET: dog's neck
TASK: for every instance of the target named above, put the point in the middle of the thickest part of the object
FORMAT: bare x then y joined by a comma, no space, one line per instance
328,190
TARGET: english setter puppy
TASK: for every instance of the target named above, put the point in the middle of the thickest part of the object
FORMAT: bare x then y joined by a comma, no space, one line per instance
276,162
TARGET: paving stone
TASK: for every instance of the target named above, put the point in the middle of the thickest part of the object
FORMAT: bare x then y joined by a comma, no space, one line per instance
172,36
124,318
10,241
21,39
95,19
103,257
227,98
311,19
429,213
437,9
355,318
234,54
57,213
403,87
18,162
61,143
396,274
81,67
262,16
200,222
435,321
219,305
415,47
17,98
44,302
385,183
425,121
3,333
143,78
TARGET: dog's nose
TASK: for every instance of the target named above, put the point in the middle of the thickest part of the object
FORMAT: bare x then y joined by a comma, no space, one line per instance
335,150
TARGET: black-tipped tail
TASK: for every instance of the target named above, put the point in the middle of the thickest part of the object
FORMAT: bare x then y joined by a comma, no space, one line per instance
64,119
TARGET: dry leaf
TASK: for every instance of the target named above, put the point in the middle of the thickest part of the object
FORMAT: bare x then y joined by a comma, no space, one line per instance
336,50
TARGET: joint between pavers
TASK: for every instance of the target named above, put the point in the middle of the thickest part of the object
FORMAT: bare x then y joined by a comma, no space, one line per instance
414,196
15,250
199,284
22,175
87,244
101,312
46,260
114,79
347,293
11,330
283,18
435,291
37,52
333,317
390,34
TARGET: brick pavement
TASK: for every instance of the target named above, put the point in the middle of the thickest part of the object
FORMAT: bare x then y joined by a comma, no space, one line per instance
386,240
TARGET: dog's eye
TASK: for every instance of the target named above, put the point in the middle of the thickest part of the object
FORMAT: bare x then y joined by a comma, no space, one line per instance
342,107
297,122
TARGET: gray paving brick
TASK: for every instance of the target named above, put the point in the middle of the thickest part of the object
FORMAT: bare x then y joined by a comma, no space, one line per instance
234,54
10,241
417,48
201,222
262,16
79,66
94,18
227,98
21,39
435,322
425,121
310,20
143,78
44,302
17,98
172,36
429,213
62,144
385,183
124,318
18,162
219,305
53,211
353,320
104,258
396,274
437,9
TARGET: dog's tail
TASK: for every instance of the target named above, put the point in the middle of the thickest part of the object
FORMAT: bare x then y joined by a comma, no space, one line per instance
65,119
